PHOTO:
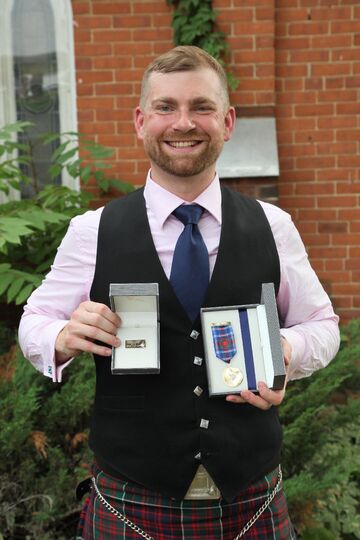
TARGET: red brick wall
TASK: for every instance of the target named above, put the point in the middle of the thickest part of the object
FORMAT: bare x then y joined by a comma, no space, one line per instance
297,59
317,58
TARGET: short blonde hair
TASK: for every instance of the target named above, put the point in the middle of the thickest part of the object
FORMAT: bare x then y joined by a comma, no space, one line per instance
185,58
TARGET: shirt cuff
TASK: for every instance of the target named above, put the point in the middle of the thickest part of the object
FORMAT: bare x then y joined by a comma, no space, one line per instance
47,346
298,347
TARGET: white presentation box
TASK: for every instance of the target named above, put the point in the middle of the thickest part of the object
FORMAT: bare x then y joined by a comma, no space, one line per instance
137,304
243,346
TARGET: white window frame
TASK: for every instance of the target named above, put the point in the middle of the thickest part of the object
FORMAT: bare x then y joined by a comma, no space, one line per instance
64,38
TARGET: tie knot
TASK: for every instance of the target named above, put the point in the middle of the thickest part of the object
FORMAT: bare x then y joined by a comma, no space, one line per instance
188,213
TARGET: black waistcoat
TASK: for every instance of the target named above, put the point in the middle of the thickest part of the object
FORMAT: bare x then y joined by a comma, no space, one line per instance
147,427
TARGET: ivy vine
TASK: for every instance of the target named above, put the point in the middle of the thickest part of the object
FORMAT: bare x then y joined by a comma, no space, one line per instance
193,24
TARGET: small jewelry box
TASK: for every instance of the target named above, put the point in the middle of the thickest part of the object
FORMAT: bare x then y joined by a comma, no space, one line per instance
243,346
137,304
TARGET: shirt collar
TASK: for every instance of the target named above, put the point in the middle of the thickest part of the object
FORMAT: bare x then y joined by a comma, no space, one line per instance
162,202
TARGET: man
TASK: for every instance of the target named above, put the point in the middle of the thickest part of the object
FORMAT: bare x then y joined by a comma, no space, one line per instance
151,433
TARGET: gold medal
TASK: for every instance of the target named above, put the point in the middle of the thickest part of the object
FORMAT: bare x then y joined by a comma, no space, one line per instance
232,376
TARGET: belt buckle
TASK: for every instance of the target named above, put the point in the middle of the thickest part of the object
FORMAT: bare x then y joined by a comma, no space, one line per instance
202,486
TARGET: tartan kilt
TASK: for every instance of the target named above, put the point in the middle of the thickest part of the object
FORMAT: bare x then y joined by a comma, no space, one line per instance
164,518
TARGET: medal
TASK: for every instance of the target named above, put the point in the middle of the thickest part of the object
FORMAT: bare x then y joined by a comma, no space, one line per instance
225,350
232,376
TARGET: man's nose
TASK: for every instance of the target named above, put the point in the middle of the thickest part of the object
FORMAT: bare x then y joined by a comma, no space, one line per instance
184,121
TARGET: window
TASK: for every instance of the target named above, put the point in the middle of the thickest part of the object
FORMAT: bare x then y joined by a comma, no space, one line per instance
38,75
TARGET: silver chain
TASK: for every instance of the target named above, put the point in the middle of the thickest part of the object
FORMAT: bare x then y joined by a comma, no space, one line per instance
119,515
262,508
142,533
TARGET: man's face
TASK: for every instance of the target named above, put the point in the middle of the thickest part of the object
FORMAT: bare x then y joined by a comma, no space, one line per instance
184,123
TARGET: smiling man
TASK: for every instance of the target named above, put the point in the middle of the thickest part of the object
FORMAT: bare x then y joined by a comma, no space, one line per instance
157,438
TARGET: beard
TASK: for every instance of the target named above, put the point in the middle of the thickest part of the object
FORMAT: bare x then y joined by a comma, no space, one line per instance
184,166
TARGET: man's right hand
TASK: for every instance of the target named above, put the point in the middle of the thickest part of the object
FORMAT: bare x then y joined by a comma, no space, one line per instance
90,322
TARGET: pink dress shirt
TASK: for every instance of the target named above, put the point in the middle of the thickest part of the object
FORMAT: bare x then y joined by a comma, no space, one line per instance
309,322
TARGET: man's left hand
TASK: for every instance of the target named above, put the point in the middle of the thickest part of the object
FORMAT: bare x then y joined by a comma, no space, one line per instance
266,397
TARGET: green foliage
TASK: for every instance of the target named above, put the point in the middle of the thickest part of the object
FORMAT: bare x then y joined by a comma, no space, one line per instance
321,460
193,24
43,438
31,230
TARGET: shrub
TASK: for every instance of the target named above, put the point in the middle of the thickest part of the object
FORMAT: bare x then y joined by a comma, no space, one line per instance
321,458
43,438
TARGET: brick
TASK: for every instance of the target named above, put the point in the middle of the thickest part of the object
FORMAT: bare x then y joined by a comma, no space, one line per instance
111,8
334,122
294,14
334,264
342,302
113,62
314,136
150,7
328,70
84,89
80,8
314,110
352,264
345,27
264,13
293,84
94,22
112,35
298,202
355,227
95,103
154,34
315,162
331,14
349,161
348,108
328,252
96,76
114,115
254,28
232,15
132,21
335,82
117,140
316,239
318,214
333,227
336,148
327,175
348,135
262,56
348,187
337,201
338,96
314,83
314,189
90,49
293,43
242,43
352,82
286,70
297,97
308,28
331,41
345,55
113,89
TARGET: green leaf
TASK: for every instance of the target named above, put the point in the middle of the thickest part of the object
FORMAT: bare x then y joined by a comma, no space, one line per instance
24,294
14,288
5,280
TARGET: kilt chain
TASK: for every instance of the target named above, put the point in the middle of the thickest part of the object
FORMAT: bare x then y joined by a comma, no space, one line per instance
142,533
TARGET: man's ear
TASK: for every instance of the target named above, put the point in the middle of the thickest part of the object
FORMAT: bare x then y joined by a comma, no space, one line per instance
139,122
230,119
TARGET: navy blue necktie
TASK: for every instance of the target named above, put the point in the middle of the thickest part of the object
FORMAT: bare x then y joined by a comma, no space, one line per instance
189,275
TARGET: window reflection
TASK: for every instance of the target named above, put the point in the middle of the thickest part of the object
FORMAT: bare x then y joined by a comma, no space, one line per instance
36,82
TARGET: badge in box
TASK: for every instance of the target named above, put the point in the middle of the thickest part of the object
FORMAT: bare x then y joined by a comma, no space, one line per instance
243,345
137,304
